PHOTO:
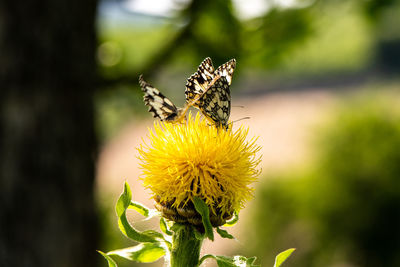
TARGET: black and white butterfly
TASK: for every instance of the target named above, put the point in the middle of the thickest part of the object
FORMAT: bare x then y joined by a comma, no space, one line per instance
159,105
208,90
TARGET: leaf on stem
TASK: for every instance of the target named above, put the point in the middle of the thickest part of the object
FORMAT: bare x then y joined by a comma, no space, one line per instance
202,208
126,228
142,209
111,262
224,234
164,226
232,221
145,252
281,257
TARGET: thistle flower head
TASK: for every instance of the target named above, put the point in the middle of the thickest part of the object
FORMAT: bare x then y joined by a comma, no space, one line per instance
182,161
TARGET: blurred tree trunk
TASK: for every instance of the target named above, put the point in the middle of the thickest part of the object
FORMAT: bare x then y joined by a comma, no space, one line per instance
47,142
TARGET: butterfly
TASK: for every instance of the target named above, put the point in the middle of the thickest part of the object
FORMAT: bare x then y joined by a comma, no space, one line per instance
159,105
208,90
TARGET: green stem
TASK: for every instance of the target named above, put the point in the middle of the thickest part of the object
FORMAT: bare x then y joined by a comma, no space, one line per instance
185,247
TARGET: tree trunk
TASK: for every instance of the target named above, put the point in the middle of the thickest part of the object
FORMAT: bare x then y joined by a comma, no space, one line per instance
47,142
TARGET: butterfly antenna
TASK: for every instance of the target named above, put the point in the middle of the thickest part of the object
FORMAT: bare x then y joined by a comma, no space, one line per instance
238,106
244,118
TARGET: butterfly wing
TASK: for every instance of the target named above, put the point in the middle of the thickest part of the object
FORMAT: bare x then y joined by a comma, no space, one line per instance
159,105
215,103
226,70
199,81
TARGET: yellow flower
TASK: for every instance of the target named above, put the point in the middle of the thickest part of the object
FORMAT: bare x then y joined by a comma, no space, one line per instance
182,161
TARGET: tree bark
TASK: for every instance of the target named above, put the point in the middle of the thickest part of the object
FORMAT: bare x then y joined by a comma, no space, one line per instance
47,140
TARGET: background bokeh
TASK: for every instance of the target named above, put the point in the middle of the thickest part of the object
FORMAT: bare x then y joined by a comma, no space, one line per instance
318,79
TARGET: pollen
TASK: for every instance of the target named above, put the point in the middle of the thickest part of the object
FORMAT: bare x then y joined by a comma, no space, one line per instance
181,161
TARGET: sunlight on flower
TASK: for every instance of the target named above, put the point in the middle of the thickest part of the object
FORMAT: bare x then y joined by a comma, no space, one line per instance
181,161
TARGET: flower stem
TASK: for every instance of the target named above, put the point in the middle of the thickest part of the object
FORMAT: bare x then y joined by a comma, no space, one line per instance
185,247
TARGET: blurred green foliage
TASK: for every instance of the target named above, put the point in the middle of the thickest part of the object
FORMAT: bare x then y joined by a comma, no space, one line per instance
132,46
268,38
341,42
114,107
344,210
213,28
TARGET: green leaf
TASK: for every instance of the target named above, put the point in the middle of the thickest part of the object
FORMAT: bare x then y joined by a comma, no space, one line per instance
164,227
111,262
124,200
224,234
126,228
154,234
236,261
283,256
232,221
142,209
145,252
202,208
